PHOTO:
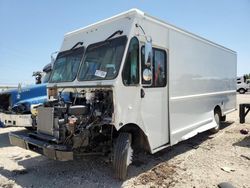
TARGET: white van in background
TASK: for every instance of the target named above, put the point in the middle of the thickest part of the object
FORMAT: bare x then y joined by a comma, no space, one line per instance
243,85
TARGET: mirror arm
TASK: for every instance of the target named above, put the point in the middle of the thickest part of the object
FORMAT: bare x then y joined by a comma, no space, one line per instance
137,25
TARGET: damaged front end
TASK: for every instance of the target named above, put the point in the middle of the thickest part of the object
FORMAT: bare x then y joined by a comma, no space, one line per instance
66,130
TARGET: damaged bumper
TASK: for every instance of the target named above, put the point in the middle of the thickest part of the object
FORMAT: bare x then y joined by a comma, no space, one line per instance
52,151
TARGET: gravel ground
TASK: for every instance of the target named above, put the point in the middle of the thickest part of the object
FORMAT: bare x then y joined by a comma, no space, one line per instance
203,161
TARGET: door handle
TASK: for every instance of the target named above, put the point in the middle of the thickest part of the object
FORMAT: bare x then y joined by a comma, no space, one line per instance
142,93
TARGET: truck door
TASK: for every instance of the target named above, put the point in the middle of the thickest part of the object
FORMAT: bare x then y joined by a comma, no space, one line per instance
154,100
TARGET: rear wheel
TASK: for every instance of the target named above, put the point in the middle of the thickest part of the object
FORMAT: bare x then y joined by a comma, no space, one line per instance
123,153
217,118
242,91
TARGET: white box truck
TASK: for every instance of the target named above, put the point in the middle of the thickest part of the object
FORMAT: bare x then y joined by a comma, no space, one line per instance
135,82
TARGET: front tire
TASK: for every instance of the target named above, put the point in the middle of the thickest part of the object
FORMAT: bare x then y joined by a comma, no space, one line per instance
122,155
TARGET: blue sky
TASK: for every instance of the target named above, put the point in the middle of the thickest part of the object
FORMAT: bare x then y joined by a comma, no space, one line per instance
31,30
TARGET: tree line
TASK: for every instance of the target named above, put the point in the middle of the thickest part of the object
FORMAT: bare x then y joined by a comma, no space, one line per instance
247,76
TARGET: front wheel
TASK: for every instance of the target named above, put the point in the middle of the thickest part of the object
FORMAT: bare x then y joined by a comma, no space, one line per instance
123,153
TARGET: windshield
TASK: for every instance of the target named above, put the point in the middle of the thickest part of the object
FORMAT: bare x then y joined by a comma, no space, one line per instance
102,60
66,65
46,77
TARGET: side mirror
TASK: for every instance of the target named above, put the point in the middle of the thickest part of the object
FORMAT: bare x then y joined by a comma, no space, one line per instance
148,64
148,53
52,58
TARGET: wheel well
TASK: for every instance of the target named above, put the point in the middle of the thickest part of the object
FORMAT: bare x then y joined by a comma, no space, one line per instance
139,139
241,88
218,109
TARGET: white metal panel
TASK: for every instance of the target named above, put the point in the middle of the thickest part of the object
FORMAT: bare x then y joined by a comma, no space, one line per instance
97,33
198,67
201,77
154,114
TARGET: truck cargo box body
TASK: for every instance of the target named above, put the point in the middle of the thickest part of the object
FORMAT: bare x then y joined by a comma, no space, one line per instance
201,76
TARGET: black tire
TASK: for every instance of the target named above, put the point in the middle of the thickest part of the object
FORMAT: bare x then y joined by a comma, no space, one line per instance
217,118
242,91
122,151
223,118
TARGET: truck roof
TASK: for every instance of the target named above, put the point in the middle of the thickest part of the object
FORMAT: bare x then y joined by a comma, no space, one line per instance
47,67
139,13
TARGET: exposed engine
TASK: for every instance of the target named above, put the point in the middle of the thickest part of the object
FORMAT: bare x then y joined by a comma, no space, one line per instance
82,124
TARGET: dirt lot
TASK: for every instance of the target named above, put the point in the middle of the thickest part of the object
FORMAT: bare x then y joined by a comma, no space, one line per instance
203,161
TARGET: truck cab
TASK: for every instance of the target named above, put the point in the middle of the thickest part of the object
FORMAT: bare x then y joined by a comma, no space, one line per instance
99,66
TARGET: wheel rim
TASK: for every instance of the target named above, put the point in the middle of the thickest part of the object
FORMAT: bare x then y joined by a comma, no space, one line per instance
217,121
130,155
241,91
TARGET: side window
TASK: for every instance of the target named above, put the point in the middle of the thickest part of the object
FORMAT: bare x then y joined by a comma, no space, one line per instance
159,67
130,74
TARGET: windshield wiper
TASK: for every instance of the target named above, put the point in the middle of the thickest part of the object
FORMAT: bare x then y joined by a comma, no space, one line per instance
78,43
115,33
106,41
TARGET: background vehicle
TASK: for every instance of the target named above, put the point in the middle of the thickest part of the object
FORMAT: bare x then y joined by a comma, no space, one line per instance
7,86
135,82
16,104
242,85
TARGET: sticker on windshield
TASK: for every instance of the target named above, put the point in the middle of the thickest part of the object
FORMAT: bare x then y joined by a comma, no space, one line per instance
100,73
